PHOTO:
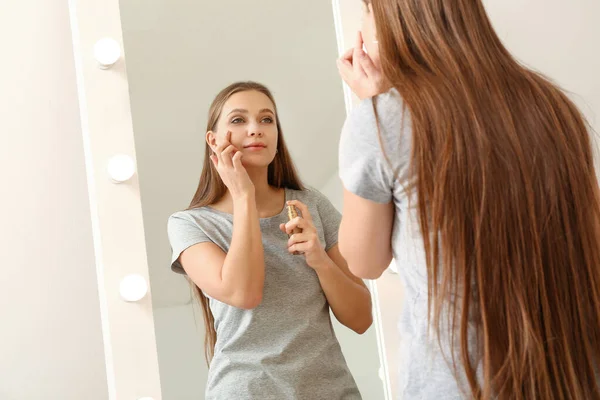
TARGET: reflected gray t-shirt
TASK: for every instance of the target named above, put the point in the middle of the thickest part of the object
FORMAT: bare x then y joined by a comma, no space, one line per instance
369,172
286,347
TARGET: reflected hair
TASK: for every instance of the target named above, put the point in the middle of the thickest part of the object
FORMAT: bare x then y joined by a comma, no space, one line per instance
502,168
281,174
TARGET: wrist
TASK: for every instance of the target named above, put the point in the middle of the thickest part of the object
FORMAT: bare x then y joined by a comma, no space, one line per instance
323,265
244,201
242,192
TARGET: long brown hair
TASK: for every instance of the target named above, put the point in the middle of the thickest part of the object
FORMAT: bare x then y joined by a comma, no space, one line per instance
281,174
508,202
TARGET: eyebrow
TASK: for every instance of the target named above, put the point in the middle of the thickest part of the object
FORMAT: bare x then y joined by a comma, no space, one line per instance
242,111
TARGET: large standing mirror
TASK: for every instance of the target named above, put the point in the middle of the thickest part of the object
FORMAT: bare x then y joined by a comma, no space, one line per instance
179,56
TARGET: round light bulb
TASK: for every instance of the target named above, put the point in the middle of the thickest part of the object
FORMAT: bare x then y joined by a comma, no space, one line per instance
133,287
121,168
107,52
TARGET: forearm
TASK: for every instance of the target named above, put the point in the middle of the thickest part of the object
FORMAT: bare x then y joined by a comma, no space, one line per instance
349,300
365,236
244,268
357,247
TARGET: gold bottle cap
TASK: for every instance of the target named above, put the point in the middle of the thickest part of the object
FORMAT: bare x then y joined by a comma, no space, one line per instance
291,212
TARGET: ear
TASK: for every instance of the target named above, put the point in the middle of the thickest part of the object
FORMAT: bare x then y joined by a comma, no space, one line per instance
211,139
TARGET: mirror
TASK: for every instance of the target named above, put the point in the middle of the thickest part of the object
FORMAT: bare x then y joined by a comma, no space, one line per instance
179,56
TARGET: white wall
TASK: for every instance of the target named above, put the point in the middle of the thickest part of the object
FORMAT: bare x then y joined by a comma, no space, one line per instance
560,39
333,189
182,365
50,336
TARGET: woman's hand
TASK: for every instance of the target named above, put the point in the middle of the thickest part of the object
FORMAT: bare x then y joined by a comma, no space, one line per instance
228,162
360,73
307,241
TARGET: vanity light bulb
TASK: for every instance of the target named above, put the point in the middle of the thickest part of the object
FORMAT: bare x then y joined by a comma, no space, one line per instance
133,288
121,168
107,52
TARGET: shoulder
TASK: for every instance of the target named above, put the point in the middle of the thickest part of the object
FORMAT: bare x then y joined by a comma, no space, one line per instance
375,122
392,114
391,99
389,106
187,219
318,204
309,195
187,215
389,135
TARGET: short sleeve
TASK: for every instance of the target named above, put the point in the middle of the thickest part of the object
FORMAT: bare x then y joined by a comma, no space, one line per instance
330,218
363,167
183,232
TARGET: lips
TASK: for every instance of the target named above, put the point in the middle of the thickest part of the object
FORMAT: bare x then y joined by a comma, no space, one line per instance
255,145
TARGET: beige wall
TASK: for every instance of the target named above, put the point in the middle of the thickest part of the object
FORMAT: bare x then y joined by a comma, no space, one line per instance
50,335
559,38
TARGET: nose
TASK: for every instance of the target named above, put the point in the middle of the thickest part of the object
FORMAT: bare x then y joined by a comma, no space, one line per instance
255,131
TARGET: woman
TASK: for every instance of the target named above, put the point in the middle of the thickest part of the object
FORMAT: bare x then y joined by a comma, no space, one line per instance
268,330
476,174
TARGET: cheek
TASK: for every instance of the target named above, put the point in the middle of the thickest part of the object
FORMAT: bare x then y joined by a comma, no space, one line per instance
373,51
370,42
367,30
271,136
237,137
237,131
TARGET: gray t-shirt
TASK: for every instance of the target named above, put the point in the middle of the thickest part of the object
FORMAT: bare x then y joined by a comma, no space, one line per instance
369,172
286,347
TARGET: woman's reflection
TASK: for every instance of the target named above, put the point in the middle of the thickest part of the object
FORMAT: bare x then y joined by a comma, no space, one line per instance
268,328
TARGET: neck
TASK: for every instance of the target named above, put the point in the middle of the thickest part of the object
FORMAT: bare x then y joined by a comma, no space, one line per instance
263,192
268,199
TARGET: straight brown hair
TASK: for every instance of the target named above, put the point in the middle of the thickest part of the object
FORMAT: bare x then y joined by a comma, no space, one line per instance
508,202
281,174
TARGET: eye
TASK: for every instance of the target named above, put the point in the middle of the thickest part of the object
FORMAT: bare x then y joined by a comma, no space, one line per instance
267,120
237,120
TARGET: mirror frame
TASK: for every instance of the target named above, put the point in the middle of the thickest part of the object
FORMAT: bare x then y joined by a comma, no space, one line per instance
130,351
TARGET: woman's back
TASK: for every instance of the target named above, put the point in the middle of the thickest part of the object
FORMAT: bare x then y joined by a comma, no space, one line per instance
505,196
517,207
423,372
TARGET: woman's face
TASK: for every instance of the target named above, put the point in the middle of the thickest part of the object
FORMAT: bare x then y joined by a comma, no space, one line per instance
250,117
369,33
